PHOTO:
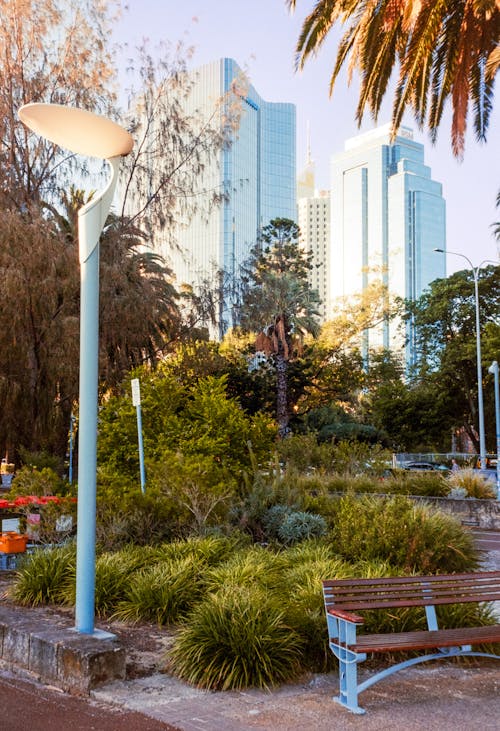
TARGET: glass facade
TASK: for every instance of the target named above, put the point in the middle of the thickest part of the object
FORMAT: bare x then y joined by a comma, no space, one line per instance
257,173
388,215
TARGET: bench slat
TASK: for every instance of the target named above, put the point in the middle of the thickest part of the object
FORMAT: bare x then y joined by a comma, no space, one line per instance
423,640
352,594
458,578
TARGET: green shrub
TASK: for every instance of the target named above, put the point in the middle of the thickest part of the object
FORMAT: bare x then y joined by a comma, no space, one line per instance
273,519
114,573
300,526
235,639
163,593
209,550
133,518
248,566
32,481
44,576
411,537
406,482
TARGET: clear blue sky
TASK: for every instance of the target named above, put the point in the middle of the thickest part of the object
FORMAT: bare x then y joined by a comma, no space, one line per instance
261,35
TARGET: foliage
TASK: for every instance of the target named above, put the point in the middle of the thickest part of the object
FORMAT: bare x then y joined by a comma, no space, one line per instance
237,638
301,526
411,537
162,593
252,565
278,303
44,576
441,52
472,482
198,485
50,51
127,517
190,423
262,490
30,481
444,318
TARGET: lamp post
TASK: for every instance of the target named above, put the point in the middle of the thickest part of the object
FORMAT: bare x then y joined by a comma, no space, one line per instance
494,370
88,134
480,408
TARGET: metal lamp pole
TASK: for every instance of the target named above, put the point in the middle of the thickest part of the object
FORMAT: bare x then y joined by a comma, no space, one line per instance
494,370
87,134
480,407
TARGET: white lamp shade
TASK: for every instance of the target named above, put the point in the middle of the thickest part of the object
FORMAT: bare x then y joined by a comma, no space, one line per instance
77,130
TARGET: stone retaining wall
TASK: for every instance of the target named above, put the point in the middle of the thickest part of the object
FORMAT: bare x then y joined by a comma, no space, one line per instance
57,655
476,513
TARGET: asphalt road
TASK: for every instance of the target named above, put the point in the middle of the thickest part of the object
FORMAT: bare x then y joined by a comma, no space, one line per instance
26,706
487,540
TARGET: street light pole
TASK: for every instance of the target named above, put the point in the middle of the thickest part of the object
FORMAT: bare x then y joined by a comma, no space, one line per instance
87,134
494,370
480,407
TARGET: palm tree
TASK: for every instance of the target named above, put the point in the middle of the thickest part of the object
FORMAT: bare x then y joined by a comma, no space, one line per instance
444,49
278,302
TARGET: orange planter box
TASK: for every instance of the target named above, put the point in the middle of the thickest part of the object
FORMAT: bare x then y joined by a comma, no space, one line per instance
12,542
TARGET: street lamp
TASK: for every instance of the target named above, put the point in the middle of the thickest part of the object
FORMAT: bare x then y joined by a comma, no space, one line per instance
480,408
494,370
86,134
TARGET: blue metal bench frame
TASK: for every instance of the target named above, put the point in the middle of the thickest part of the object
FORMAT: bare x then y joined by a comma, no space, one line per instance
344,598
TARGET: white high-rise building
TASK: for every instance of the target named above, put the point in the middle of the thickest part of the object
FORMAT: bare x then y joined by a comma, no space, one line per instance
387,217
313,218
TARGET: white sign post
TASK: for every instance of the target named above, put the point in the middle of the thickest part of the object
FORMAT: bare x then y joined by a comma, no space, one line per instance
136,401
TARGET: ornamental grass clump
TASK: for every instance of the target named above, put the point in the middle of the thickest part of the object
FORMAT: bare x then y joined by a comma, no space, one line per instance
413,538
163,593
302,598
472,483
44,576
209,550
249,566
237,638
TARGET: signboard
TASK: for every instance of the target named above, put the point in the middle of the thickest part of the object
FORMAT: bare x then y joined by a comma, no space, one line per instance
136,392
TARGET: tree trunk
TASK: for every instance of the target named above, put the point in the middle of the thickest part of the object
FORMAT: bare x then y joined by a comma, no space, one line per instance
282,396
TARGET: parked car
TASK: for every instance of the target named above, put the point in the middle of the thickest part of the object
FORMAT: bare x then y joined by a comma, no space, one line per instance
425,466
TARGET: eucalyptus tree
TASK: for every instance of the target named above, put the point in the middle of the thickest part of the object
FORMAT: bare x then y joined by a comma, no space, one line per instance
445,323
278,302
441,51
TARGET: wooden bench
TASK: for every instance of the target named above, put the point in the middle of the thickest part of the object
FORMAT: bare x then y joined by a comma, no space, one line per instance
345,599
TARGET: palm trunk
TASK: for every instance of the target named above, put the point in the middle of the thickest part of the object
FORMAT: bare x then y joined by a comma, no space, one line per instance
282,395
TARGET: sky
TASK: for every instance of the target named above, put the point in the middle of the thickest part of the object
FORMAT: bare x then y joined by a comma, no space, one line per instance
261,36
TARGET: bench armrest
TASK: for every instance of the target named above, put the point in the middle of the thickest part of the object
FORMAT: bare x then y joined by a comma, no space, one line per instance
347,616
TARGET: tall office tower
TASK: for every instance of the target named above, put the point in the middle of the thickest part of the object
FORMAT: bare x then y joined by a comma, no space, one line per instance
313,218
388,215
257,174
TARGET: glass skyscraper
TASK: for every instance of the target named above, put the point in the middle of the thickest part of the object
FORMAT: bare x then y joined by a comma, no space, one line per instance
256,173
388,216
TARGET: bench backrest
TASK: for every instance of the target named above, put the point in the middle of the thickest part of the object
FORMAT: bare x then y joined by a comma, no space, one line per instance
411,591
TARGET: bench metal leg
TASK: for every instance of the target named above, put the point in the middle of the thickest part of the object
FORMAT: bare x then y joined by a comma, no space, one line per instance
348,681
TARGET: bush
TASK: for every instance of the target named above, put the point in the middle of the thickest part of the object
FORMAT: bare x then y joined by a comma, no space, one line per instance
163,593
300,526
249,566
473,483
44,576
411,537
31,481
125,518
235,639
